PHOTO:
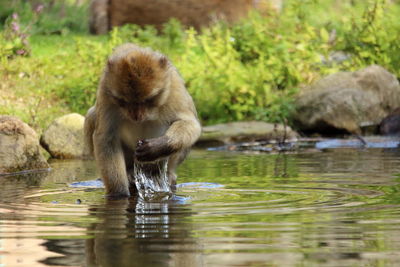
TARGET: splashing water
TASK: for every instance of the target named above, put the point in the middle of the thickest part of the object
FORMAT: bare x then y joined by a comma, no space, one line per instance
151,180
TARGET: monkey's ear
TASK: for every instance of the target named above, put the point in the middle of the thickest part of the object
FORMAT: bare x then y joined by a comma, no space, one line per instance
163,61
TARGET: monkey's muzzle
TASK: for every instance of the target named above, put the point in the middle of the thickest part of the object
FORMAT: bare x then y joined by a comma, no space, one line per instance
137,113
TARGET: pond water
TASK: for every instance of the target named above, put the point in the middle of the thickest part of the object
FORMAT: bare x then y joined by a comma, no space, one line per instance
330,207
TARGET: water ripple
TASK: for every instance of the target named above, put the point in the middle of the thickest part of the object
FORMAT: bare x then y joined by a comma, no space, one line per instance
335,208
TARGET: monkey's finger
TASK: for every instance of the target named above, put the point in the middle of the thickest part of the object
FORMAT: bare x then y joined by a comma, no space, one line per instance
141,142
139,154
142,148
146,157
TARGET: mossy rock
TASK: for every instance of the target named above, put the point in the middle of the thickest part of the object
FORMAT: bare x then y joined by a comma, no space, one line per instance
19,147
64,137
348,102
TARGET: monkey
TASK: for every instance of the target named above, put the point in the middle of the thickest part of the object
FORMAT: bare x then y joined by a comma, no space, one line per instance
142,111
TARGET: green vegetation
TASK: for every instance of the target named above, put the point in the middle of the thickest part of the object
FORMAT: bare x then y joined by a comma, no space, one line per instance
50,65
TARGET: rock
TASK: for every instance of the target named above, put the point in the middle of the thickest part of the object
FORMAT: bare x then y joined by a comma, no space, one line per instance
228,133
64,137
19,147
105,14
347,102
390,125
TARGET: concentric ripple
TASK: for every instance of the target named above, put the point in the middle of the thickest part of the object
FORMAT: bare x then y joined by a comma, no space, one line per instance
339,207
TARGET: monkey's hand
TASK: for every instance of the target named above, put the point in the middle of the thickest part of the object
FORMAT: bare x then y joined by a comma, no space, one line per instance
153,149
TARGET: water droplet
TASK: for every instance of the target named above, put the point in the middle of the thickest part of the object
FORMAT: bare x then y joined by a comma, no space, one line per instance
151,180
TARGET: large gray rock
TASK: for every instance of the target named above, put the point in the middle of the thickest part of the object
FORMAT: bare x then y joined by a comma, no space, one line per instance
228,133
64,137
19,147
348,102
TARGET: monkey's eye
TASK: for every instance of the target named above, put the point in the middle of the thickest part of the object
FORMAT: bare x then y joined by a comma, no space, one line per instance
150,101
121,102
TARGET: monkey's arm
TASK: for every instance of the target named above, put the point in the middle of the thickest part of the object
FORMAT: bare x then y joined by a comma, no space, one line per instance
184,130
109,154
89,127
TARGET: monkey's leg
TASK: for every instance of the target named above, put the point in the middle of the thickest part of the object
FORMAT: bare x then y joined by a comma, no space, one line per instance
110,159
173,162
129,156
88,129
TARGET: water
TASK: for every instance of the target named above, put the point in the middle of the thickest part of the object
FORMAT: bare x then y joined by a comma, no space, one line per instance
330,207
152,181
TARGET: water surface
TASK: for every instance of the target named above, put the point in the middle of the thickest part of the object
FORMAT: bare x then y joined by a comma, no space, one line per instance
331,207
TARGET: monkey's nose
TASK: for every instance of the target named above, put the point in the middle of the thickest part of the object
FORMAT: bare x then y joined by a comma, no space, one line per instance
136,114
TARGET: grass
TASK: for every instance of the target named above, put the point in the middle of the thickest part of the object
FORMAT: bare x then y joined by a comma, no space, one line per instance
250,70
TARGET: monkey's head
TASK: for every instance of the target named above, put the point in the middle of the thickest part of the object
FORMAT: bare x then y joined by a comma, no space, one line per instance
140,83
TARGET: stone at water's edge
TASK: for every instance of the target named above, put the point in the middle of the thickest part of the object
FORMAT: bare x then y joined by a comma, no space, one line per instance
64,137
390,125
19,147
228,133
348,102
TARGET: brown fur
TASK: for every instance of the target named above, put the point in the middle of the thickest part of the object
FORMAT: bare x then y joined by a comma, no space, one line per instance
141,97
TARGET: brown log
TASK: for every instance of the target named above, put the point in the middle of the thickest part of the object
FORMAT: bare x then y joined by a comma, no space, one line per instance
106,14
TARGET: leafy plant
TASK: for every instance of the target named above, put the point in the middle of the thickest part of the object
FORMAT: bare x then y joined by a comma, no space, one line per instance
373,38
250,70
57,17
14,38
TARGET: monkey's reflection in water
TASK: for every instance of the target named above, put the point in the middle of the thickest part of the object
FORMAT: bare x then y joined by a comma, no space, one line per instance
136,233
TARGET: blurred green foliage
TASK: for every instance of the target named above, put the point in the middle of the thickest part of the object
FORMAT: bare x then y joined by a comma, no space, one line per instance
249,70
56,16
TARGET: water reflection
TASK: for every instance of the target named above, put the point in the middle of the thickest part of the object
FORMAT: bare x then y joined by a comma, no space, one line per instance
339,207
132,233
13,188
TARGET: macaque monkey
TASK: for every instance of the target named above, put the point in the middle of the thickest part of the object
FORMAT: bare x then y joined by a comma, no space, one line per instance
142,111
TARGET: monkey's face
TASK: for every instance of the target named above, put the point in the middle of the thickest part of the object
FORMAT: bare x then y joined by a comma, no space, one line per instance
141,85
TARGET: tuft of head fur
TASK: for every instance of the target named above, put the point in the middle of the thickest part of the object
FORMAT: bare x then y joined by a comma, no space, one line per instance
138,80
140,75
